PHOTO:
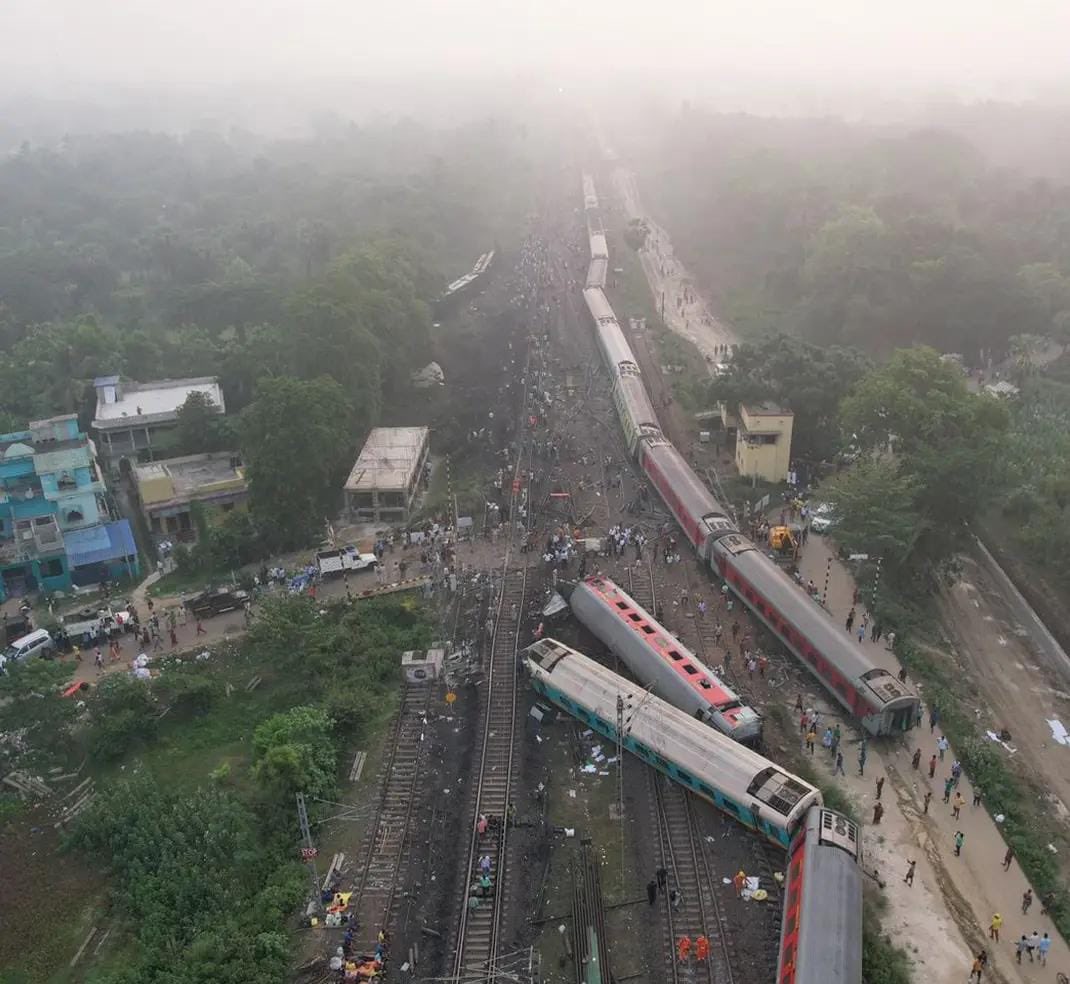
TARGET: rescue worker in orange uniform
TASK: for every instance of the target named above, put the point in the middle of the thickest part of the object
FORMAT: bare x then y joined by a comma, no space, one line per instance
683,948
702,949
739,881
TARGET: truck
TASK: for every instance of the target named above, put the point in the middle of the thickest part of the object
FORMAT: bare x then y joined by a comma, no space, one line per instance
349,559
88,625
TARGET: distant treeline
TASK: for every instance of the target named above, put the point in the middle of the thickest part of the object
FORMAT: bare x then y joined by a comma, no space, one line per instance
853,235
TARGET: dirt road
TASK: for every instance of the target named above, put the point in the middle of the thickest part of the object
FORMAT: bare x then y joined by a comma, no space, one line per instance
1019,669
945,914
674,290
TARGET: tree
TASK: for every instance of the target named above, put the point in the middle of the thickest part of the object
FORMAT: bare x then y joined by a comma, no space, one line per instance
294,752
916,407
807,379
873,503
296,441
201,427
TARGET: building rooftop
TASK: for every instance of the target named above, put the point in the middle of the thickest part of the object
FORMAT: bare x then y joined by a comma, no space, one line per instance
388,459
148,403
765,408
189,476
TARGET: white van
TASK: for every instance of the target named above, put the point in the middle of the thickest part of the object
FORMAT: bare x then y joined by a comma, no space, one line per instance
37,643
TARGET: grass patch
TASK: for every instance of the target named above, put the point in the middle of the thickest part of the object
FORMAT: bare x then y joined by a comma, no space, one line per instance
882,961
186,582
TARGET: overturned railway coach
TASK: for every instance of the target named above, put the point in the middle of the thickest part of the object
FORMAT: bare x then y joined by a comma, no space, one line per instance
864,688
821,933
658,660
735,779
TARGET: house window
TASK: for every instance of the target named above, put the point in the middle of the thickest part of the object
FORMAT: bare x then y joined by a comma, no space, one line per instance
74,516
52,568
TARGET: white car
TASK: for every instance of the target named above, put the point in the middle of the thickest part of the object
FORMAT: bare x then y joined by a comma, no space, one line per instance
822,518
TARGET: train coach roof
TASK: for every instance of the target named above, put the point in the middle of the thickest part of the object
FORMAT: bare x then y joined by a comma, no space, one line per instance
597,304
852,660
696,497
708,757
659,641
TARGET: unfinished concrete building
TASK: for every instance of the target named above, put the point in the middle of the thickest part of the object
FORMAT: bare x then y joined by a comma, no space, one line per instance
386,478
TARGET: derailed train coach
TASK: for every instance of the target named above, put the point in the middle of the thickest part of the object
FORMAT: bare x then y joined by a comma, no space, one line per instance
821,932
821,943
851,674
658,660
735,779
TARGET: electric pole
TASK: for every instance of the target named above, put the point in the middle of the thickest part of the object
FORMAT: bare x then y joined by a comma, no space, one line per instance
308,852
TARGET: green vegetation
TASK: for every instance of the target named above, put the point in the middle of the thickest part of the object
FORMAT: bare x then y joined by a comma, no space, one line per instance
843,234
882,961
196,773
1036,472
297,440
811,380
930,449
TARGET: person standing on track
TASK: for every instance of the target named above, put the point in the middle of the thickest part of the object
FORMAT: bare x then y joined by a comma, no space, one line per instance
683,948
909,877
662,876
651,891
959,838
1008,858
993,927
702,948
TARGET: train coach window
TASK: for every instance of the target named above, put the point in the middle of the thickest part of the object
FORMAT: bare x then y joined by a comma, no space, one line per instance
675,655
647,629
705,684
683,776
690,670
635,616
706,791
622,605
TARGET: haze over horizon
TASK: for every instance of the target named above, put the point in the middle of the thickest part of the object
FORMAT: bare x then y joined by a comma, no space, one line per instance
60,48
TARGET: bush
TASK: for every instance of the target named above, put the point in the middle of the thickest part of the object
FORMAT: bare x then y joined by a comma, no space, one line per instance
124,712
882,961
294,752
196,880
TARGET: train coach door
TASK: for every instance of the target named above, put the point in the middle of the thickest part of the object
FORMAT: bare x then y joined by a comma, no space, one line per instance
903,719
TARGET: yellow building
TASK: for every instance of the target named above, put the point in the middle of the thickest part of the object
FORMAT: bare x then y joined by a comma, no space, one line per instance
763,441
167,490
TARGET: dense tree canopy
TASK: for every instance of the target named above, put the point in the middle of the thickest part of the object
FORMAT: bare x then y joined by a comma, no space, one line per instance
934,441
808,379
297,436
847,234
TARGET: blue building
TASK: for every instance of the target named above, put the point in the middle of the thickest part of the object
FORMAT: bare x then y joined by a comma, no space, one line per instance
55,528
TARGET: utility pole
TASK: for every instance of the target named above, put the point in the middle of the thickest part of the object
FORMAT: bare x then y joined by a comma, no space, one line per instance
308,852
876,582
620,779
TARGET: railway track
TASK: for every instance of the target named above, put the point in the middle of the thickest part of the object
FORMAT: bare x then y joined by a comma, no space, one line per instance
479,925
683,855
387,850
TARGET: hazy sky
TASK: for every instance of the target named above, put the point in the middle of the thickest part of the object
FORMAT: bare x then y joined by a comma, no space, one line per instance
149,42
